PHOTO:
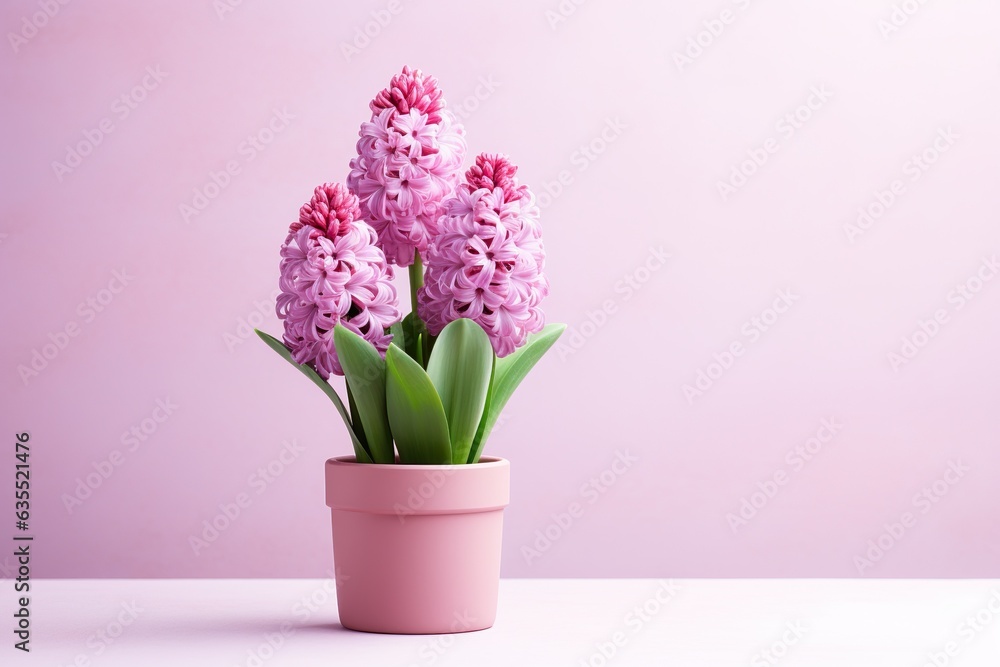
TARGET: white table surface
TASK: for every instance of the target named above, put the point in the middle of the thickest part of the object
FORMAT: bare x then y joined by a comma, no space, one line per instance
847,623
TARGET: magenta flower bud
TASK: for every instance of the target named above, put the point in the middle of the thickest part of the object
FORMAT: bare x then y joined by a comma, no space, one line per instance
409,157
486,262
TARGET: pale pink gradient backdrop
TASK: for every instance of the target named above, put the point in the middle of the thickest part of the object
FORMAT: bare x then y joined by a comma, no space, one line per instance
655,185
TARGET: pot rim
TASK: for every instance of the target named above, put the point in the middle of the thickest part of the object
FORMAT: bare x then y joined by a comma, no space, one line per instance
484,462
389,488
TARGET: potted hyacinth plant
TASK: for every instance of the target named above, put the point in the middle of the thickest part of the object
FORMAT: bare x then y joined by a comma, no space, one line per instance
417,511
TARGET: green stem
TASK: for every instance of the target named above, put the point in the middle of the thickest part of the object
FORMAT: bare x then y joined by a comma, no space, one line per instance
416,282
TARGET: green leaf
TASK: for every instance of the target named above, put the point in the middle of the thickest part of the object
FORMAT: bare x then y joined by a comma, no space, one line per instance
364,369
359,449
355,415
507,375
409,342
416,414
398,335
460,368
481,432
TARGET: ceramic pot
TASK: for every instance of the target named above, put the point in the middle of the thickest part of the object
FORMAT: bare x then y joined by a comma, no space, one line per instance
417,547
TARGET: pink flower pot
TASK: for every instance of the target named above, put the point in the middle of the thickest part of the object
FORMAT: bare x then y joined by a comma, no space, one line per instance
417,547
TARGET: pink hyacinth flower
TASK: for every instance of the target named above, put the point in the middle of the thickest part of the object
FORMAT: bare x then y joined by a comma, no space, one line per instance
333,272
487,261
409,157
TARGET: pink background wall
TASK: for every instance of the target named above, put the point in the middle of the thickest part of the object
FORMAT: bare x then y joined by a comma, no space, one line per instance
539,89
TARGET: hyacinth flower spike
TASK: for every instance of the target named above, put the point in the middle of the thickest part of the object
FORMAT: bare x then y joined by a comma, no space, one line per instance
333,275
487,261
409,159
486,264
